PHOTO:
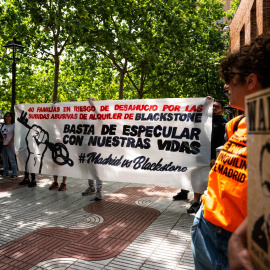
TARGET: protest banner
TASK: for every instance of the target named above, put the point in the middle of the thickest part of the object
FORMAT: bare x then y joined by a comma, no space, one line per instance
258,144
156,141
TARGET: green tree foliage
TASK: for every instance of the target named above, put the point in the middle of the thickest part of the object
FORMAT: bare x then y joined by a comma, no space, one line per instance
45,26
199,69
113,49
234,5
165,49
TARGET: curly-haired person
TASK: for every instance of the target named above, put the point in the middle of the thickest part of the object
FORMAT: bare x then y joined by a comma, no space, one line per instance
224,204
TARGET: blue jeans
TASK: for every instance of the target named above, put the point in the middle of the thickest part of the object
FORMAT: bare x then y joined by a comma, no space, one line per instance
99,184
8,154
209,244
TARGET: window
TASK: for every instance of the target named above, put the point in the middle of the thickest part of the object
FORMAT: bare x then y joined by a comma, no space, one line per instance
253,22
242,36
266,16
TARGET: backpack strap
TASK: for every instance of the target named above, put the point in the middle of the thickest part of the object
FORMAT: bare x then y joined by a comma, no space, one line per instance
235,127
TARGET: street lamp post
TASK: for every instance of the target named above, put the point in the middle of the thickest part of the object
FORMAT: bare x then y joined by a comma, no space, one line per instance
15,46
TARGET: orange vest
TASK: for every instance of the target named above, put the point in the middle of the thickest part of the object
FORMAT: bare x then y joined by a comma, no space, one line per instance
225,201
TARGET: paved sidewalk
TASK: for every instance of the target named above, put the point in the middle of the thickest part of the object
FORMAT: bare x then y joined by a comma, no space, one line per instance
134,227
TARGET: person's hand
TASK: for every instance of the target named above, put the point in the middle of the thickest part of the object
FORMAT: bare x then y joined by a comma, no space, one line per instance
238,254
210,98
10,145
212,162
91,99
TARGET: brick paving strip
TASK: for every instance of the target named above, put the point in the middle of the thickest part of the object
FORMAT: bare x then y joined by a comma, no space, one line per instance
9,185
123,222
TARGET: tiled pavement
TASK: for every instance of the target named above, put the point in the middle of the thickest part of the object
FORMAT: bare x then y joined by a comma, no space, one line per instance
134,227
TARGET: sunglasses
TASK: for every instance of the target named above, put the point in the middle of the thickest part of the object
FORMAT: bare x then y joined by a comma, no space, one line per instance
216,106
229,75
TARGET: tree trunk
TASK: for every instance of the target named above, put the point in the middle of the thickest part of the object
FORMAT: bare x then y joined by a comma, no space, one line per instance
207,83
121,86
122,72
140,93
140,89
56,77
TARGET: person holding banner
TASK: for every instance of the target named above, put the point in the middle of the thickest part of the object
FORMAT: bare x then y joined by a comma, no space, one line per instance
224,204
91,189
8,154
55,185
26,180
99,183
239,257
217,139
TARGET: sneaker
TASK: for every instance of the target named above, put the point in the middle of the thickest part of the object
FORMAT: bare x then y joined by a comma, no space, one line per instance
182,195
98,196
24,182
13,176
89,191
62,187
54,185
194,207
32,184
4,175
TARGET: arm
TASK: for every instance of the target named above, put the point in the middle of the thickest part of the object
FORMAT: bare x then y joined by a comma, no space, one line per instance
212,162
239,258
91,99
11,142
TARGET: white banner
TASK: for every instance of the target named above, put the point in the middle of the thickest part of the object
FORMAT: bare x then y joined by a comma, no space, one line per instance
156,141
258,158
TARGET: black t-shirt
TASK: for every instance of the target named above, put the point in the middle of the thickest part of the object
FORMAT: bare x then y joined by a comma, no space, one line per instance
218,132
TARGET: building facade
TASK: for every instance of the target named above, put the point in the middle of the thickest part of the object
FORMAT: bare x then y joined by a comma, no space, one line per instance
251,19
